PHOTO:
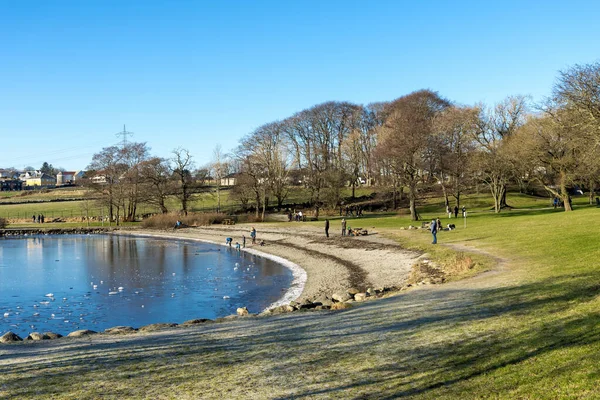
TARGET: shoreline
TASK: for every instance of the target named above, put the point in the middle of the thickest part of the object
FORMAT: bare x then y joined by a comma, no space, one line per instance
330,265
321,267
298,273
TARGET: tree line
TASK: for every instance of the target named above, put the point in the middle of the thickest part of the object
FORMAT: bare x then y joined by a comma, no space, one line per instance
414,144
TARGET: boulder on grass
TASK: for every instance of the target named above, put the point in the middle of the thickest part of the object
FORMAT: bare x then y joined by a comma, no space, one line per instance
52,335
340,298
37,336
9,337
360,296
81,333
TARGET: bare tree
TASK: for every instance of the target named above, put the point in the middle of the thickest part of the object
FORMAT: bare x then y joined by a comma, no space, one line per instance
405,135
105,170
182,165
495,125
316,136
451,147
158,183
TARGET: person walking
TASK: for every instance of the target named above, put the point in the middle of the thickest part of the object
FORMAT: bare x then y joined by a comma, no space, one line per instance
464,212
433,228
253,235
326,227
343,227
455,211
449,211
244,241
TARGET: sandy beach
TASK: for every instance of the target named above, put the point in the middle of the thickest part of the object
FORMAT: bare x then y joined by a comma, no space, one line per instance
331,264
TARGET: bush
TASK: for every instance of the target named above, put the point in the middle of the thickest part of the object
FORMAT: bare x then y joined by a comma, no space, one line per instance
3,223
167,221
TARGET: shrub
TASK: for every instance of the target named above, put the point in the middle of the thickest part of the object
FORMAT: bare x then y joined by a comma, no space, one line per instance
458,264
3,223
167,221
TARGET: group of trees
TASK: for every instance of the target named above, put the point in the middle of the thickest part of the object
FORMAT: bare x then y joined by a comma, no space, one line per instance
423,141
417,143
123,177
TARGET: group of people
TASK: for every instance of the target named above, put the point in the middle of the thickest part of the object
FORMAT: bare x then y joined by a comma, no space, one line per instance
238,246
39,219
345,230
352,210
296,216
436,224
450,211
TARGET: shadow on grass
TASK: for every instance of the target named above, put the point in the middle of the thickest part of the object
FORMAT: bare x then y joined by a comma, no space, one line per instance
421,343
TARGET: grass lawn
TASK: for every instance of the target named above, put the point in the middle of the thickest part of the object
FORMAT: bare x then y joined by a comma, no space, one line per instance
529,329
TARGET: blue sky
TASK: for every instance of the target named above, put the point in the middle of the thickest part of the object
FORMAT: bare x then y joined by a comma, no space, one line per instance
196,74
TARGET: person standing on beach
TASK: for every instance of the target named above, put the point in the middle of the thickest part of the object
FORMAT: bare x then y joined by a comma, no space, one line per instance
244,241
253,235
433,228
343,227
326,227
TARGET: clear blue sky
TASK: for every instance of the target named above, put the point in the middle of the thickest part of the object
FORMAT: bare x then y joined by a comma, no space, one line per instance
196,74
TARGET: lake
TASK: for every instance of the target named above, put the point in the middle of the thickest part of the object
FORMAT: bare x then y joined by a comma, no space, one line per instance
68,282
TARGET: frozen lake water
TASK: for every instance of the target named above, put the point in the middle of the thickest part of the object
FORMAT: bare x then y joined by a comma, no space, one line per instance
69,282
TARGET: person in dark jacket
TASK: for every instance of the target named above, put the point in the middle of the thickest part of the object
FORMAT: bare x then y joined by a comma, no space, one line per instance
433,228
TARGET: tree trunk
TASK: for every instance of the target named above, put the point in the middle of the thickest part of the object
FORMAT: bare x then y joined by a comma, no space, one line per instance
264,207
163,208
564,194
498,190
503,198
412,197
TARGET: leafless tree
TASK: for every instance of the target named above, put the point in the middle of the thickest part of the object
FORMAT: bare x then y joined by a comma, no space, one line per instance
182,165
158,183
405,135
451,147
494,167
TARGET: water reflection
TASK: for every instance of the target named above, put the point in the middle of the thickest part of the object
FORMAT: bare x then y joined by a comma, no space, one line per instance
63,283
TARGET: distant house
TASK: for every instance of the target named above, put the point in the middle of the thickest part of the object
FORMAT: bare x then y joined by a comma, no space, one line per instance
229,180
98,177
43,180
38,180
68,177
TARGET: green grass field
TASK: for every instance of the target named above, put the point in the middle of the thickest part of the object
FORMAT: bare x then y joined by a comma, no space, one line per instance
528,329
